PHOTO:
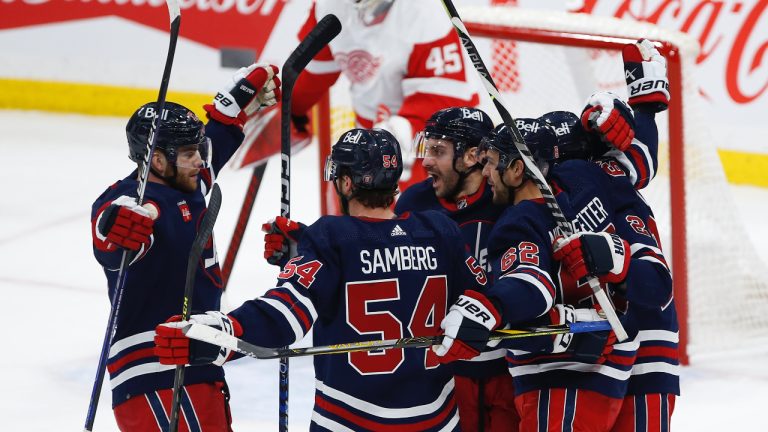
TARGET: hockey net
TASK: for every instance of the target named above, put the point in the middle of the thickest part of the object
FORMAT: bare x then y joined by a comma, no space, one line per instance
545,61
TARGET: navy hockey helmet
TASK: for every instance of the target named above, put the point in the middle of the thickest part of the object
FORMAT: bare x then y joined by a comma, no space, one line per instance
371,157
179,127
570,140
465,127
537,136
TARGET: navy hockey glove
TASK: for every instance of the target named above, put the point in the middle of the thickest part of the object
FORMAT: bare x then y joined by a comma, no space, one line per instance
172,347
281,239
467,327
251,88
590,346
127,224
611,118
601,254
645,70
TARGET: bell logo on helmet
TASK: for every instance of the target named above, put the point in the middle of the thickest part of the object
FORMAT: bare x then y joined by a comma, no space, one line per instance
563,130
472,114
352,137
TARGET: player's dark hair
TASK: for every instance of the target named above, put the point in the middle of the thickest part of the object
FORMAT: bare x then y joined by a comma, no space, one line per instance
371,198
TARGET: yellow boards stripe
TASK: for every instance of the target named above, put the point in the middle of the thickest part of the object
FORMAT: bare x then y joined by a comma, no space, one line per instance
92,99
745,168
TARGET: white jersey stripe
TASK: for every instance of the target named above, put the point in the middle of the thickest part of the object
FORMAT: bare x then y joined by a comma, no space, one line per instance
319,67
139,338
535,282
304,300
570,366
657,335
142,369
289,316
328,423
383,412
438,86
645,368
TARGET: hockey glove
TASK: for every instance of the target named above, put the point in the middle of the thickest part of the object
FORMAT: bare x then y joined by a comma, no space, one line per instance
467,327
173,348
601,254
611,118
590,346
251,88
281,240
127,224
645,70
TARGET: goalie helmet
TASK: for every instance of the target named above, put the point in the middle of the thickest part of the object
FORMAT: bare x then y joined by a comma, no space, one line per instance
179,127
371,157
465,127
372,11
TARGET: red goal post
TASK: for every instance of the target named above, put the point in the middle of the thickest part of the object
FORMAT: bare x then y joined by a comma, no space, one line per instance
555,53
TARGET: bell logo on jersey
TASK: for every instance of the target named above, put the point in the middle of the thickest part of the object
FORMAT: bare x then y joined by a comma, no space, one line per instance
186,215
472,114
353,138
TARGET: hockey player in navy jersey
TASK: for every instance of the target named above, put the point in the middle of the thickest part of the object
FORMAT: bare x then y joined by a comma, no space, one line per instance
159,236
654,380
366,275
456,187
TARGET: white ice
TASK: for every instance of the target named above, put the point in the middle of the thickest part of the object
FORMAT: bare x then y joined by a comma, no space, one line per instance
55,305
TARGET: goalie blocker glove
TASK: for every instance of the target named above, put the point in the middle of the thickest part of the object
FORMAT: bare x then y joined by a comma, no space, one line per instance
610,117
127,224
281,240
172,347
591,346
467,327
645,71
594,254
252,88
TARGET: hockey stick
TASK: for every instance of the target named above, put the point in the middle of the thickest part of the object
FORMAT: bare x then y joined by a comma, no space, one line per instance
242,222
563,225
175,19
217,337
198,245
325,30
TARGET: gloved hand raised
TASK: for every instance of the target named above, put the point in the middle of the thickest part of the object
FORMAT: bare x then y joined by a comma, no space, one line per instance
610,117
645,70
252,88
126,224
281,239
174,348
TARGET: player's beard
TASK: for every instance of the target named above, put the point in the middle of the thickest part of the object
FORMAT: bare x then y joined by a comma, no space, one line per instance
185,180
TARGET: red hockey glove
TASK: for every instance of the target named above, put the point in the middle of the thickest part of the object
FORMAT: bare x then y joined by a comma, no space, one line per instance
594,254
251,88
590,346
127,224
645,70
281,240
611,118
173,348
467,327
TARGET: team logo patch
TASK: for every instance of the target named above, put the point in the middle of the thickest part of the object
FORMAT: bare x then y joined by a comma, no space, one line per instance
186,215
359,66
